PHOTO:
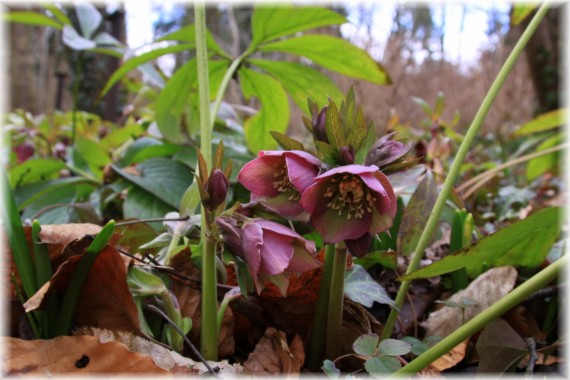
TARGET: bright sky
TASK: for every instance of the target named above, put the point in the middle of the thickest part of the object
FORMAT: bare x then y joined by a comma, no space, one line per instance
461,46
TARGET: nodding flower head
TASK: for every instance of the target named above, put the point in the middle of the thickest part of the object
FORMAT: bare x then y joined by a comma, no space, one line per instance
348,202
277,179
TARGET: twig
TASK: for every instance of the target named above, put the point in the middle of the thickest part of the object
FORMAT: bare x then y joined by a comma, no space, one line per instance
533,357
155,309
151,220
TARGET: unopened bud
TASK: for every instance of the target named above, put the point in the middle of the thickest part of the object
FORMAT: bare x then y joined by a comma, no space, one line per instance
347,155
217,189
385,152
319,125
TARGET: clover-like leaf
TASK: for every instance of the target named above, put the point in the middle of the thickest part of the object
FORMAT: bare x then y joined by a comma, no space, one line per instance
366,344
394,347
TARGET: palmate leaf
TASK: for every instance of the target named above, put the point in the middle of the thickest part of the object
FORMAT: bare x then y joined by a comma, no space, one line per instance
188,34
274,112
271,22
333,53
286,142
544,122
333,126
301,82
523,243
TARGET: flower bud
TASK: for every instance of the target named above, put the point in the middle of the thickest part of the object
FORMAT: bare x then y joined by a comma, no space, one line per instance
347,155
319,125
217,189
385,152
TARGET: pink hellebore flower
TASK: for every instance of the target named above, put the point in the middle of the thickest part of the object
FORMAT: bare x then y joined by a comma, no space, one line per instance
272,251
349,203
278,178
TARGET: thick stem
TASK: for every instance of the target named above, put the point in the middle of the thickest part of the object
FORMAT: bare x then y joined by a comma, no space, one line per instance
336,300
315,352
209,330
457,162
506,303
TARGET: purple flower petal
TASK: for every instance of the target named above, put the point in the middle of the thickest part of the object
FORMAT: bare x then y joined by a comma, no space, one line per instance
283,205
258,175
352,169
276,252
359,246
252,240
302,169
302,260
336,228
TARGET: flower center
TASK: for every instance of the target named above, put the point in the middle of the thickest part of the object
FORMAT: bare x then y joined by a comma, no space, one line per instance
282,184
349,195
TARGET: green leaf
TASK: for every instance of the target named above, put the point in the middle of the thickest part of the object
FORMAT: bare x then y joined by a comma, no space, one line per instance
439,105
71,298
550,162
144,284
394,347
145,148
139,60
333,127
382,366
366,344
89,18
544,122
521,11
369,140
385,258
31,18
188,34
360,287
335,54
164,178
330,369
425,106
140,204
180,90
271,22
75,41
93,153
286,142
190,200
121,135
41,256
417,213
418,347
274,112
301,82
56,12
499,348
31,192
523,243
34,170
12,224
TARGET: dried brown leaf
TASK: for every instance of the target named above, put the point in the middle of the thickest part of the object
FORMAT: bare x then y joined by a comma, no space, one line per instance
73,355
486,289
105,300
273,355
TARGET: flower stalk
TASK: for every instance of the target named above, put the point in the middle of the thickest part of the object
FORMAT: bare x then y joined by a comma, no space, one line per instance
315,354
336,298
209,330
458,161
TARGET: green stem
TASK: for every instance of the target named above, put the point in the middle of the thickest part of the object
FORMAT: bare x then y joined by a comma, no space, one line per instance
224,84
506,303
171,248
315,354
336,299
457,162
209,330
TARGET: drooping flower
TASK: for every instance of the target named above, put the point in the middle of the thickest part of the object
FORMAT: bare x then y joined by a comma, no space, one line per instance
217,188
277,178
386,152
272,251
349,203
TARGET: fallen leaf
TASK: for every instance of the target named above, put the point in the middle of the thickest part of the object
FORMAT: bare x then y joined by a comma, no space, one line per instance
163,357
273,355
105,300
73,355
499,348
450,359
486,289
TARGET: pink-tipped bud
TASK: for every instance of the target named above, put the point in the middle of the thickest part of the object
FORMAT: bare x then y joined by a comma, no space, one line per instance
319,125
